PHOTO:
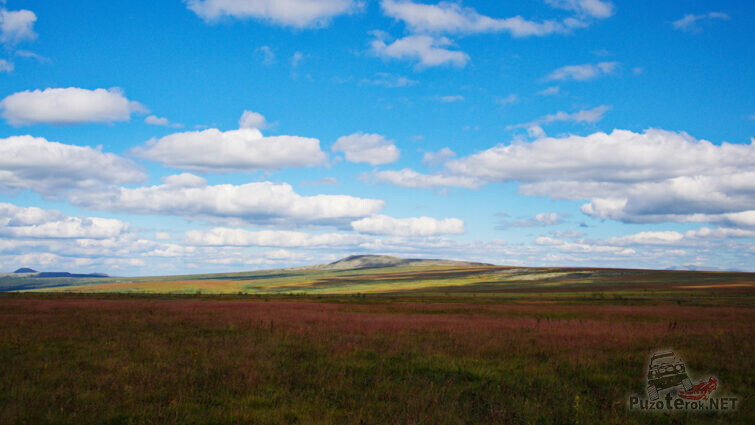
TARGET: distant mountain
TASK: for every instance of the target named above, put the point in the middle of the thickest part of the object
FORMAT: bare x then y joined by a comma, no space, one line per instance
25,270
26,278
66,274
694,268
377,261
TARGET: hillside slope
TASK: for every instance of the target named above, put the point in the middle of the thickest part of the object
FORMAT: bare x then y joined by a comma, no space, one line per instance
356,262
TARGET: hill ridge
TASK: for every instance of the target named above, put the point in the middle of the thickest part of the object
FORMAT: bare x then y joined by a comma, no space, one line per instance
372,261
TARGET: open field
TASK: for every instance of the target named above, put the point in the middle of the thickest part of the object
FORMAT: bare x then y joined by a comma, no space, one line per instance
413,279
400,343
415,359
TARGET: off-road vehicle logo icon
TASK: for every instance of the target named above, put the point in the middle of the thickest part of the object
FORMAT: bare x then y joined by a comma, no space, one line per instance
670,388
666,371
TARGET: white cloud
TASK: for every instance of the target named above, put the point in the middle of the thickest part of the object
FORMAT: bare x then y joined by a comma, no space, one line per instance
251,119
31,55
720,233
589,116
32,222
583,72
581,247
296,59
436,158
184,180
220,236
536,132
550,91
648,238
649,177
373,149
412,226
163,236
449,17
389,80
155,120
503,101
48,168
325,181
411,178
593,8
539,220
451,98
691,23
17,26
671,238
257,203
294,13
427,51
268,56
6,66
70,105
244,149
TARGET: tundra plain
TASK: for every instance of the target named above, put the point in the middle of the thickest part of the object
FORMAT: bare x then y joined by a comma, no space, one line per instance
405,344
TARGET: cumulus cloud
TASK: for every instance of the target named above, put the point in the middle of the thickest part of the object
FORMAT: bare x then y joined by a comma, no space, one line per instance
17,26
583,72
436,158
373,149
184,180
633,177
221,236
589,116
412,226
592,8
449,17
648,238
250,119
70,105
581,247
256,203
539,220
32,222
48,168
691,23
410,178
162,121
293,13
697,241
425,50
244,149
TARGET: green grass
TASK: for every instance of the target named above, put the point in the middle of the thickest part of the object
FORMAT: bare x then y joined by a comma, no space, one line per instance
488,280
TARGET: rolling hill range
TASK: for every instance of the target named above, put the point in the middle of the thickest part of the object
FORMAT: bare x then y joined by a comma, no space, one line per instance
373,274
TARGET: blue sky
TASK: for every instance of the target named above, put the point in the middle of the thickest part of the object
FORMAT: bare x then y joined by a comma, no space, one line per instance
222,135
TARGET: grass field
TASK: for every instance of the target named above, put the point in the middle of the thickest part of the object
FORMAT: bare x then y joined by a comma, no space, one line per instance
413,359
407,344
430,279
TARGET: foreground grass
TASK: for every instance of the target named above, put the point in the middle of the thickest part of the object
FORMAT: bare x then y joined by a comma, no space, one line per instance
355,361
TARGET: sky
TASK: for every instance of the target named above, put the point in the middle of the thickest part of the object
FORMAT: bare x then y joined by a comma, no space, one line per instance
194,136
